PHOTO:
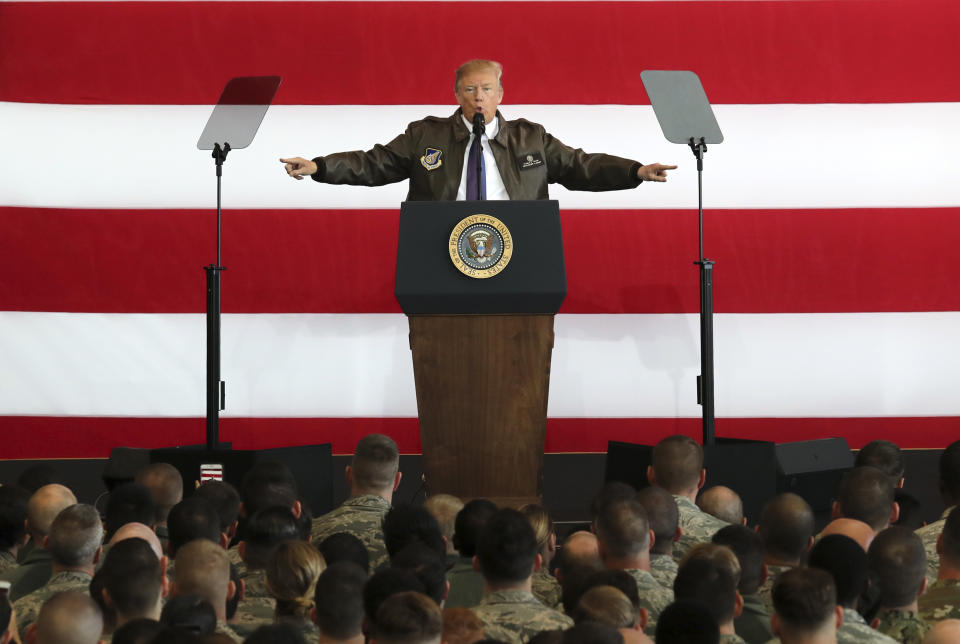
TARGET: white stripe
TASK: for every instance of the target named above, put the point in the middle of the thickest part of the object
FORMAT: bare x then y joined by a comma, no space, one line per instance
774,156
331,365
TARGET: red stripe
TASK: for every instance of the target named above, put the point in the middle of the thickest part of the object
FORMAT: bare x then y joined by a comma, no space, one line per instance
290,261
82,437
777,51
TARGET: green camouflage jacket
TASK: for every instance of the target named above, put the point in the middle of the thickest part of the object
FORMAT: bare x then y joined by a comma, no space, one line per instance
902,625
514,616
697,525
941,601
361,516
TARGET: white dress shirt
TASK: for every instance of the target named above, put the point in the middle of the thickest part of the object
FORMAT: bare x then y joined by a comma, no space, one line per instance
495,187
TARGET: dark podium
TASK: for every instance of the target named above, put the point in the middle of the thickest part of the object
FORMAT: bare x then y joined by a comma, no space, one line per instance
481,347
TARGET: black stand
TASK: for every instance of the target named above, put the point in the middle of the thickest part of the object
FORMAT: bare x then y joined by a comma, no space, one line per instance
216,388
705,379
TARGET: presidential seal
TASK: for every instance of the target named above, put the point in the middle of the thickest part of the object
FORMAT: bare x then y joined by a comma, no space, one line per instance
480,246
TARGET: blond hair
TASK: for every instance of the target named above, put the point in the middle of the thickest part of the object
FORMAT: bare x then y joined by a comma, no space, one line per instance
292,573
478,65
540,521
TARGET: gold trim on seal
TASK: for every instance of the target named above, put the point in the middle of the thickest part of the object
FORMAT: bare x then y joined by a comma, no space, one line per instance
493,269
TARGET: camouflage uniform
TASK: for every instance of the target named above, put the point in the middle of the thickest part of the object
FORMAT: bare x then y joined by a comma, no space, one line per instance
257,606
905,626
941,601
466,585
34,571
7,561
27,607
225,629
514,616
546,588
753,625
698,526
856,631
765,592
361,516
309,630
653,597
727,638
928,535
664,569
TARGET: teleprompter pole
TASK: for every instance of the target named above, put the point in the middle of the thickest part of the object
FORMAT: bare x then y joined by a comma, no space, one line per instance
216,388
705,379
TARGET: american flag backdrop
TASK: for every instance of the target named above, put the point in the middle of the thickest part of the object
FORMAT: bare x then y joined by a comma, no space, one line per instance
832,211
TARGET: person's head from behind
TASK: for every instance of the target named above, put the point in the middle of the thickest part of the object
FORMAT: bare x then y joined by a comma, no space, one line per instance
225,499
469,524
75,537
590,632
886,457
606,605
190,613
268,484
461,626
292,573
13,517
542,525
141,630
165,484
786,528
68,617
338,601
748,549
406,523
623,533
428,565
444,508
723,503
203,569
479,88
663,517
266,530
129,503
866,494
190,519
343,546
805,606
709,579
408,618
846,561
898,564
677,465
507,552
133,580
375,468
381,585
44,506
687,622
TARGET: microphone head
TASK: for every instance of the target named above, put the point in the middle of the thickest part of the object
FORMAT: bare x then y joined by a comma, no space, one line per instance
478,122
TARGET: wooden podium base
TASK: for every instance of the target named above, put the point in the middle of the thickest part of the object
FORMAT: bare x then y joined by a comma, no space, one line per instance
482,383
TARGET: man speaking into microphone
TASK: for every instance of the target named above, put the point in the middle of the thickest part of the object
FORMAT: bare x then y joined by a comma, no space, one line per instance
477,154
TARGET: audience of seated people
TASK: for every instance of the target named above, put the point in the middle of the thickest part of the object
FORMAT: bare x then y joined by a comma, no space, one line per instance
669,563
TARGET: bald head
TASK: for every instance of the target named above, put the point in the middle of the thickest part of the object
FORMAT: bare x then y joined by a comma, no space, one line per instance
203,569
138,531
69,617
786,525
44,506
677,463
579,551
856,530
723,503
945,632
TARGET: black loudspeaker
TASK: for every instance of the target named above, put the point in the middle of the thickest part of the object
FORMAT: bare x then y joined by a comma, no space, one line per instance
312,466
813,469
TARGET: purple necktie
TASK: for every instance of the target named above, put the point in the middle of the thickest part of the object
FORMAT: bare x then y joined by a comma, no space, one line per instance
472,172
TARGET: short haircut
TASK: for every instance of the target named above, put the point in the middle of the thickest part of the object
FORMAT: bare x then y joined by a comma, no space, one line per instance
69,617
687,622
141,630
540,521
428,565
266,484
883,455
376,461
339,600
75,535
951,537
746,545
405,524
804,599
408,618
866,494
132,577
662,515
224,498
129,503
476,65
619,579
710,582
721,502
610,491
292,573
108,611
677,462
950,470
191,613
192,518
165,484
469,524
898,564
786,525
507,548
44,506
384,583
343,546
444,508
591,632
623,529
203,569
13,513
606,605
266,530
461,626
282,633
843,558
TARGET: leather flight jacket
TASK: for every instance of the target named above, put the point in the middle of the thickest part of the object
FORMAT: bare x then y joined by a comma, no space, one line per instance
430,153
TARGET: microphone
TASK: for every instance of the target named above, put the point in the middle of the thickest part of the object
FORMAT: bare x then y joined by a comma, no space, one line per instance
478,123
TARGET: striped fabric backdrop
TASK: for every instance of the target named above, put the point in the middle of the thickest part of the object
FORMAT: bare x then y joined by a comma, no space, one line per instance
832,211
